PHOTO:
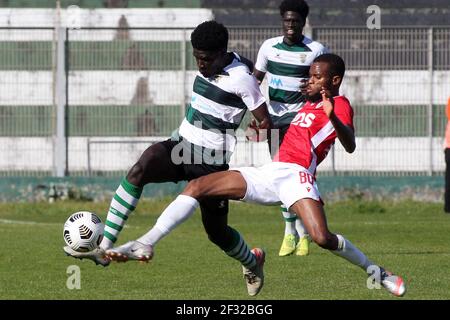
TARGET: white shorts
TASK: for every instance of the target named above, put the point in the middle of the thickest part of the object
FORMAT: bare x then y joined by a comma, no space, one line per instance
278,182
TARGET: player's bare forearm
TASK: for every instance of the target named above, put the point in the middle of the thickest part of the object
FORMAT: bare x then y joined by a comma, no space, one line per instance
344,133
259,132
259,75
262,116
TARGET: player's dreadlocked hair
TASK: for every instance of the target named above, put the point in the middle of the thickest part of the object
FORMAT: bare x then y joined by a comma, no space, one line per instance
336,64
210,36
299,6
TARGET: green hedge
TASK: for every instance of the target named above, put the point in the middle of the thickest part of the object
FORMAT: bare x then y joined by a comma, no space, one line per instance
91,4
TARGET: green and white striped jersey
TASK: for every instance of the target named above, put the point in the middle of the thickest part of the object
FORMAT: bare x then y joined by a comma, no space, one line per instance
285,66
218,105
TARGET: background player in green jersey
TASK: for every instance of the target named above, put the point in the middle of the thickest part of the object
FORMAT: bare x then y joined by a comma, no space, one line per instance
285,61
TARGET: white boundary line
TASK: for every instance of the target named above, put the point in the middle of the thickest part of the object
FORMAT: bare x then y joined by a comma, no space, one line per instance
34,223
6,221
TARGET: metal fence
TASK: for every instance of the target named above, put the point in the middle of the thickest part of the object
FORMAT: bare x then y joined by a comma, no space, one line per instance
89,101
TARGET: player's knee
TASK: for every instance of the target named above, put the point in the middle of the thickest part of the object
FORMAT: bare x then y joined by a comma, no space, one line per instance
136,174
321,239
193,189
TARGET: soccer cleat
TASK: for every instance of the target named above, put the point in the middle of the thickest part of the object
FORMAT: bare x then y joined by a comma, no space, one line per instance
255,277
132,250
393,283
97,255
302,248
288,245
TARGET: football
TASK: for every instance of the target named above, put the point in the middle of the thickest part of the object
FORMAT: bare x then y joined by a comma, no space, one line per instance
83,231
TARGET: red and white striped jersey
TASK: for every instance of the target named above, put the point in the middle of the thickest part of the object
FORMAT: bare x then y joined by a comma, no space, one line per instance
311,134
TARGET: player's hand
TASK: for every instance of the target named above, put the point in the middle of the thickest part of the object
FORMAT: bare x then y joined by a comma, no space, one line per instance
327,102
256,133
252,131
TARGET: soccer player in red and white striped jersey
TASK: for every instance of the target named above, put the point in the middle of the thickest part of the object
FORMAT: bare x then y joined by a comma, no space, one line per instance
311,133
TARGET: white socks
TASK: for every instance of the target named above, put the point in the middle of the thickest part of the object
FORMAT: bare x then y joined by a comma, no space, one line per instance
176,213
349,252
289,219
293,225
301,231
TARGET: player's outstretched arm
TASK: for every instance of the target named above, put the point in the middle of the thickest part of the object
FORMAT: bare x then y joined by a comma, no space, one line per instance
344,133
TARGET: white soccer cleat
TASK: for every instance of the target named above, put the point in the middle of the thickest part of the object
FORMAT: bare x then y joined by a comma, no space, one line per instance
97,255
132,250
254,278
393,283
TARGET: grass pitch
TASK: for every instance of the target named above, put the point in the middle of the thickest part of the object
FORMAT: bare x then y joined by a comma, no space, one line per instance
409,238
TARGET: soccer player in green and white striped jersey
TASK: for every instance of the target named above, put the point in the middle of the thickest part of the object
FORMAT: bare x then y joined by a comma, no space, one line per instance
285,61
224,88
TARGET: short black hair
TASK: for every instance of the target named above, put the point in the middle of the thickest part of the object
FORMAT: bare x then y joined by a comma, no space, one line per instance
210,36
337,65
299,6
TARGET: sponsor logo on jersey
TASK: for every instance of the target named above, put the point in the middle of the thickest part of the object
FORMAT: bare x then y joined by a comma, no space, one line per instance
303,119
276,82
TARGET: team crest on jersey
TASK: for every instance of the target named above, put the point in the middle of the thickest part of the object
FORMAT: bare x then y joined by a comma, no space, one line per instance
302,57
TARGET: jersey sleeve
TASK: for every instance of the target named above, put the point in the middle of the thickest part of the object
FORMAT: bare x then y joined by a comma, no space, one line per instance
248,89
323,50
320,50
344,112
261,60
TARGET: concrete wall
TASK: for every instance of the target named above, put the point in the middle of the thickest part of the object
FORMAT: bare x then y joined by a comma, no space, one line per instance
108,18
334,13
168,88
372,154
24,88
